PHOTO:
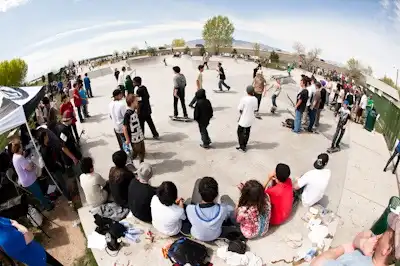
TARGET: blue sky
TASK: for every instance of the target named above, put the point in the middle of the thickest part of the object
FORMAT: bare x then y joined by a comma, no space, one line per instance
47,33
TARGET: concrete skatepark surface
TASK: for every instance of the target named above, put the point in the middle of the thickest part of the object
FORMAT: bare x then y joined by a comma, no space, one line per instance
358,191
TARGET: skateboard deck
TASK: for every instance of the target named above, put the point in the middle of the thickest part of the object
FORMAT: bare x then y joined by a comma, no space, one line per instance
329,150
273,110
219,91
179,118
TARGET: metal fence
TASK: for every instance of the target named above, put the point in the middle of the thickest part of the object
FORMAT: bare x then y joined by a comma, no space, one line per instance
389,118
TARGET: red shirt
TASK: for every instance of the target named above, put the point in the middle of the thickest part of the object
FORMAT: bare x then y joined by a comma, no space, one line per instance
77,98
67,107
281,196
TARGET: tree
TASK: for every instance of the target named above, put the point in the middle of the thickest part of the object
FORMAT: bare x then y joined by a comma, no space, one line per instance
116,54
274,57
178,43
256,48
355,70
187,50
234,51
368,71
389,82
202,51
151,51
306,58
43,78
13,73
218,32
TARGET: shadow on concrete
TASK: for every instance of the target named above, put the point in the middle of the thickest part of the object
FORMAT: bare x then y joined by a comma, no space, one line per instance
324,127
329,137
220,108
224,145
257,145
161,155
96,118
226,199
324,201
90,144
59,238
278,113
173,137
168,166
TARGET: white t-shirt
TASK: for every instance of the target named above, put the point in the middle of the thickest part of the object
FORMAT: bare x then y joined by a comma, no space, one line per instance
117,111
166,219
315,182
341,96
311,92
92,185
248,105
121,78
364,102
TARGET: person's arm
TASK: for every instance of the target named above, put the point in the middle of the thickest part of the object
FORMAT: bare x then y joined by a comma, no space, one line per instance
198,84
271,177
69,154
300,182
331,254
99,180
299,101
28,236
29,166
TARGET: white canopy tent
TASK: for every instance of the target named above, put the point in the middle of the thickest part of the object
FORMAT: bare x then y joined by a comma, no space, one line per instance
16,106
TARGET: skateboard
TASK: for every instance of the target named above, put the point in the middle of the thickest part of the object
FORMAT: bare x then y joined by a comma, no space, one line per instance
330,150
221,91
181,119
273,110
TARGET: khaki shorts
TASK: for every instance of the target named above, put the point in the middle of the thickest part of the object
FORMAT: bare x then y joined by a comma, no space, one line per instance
138,149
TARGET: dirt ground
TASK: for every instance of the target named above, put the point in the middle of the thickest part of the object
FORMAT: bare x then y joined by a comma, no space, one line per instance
67,242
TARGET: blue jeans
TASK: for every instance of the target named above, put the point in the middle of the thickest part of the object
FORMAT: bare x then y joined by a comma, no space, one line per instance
311,116
38,194
297,121
274,100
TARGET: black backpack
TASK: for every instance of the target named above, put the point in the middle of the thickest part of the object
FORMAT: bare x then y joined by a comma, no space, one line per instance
184,251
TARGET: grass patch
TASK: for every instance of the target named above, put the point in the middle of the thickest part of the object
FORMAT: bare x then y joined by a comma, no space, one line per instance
86,260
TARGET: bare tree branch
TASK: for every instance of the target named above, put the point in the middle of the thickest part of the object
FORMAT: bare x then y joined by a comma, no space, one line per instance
307,58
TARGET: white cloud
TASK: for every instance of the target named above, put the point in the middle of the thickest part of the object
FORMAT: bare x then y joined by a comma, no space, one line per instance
339,40
65,34
385,3
5,5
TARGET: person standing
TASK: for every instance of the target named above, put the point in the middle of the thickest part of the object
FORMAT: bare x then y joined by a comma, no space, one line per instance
85,102
340,99
247,108
18,243
222,77
344,115
27,176
77,101
144,107
205,60
130,88
49,113
277,90
131,126
361,109
329,87
121,80
179,91
203,112
323,95
259,84
255,70
311,91
301,104
199,84
314,106
396,152
88,86
67,106
116,74
117,109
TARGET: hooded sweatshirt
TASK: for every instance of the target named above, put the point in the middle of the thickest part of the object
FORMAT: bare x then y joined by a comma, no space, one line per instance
180,84
207,219
203,110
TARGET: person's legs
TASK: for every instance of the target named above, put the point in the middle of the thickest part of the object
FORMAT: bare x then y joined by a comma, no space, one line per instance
79,111
297,121
38,194
152,127
120,142
342,131
175,106
390,159
75,132
142,151
85,110
51,261
225,85
141,122
397,164
59,177
311,115
240,133
274,100
182,99
258,96
246,136
89,92
204,134
317,117
220,84
327,98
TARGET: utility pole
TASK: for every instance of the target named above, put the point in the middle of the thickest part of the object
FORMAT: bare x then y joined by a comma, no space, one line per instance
397,77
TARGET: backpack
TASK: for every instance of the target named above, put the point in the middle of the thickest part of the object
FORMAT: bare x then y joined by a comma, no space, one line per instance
184,251
289,123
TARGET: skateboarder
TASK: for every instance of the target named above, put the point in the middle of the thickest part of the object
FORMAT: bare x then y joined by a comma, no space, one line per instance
247,109
179,91
396,152
277,90
203,112
121,80
199,84
259,84
222,77
205,60
165,62
344,115
144,107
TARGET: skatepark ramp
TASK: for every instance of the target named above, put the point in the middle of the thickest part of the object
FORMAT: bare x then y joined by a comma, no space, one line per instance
100,72
143,60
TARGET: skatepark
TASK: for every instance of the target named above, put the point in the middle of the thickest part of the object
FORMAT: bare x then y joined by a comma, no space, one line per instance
358,191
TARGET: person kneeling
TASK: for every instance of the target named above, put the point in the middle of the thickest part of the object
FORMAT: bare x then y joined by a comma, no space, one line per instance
254,210
93,185
167,211
203,112
312,185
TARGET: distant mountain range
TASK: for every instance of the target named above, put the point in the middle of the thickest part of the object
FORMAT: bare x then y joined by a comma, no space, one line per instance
236,43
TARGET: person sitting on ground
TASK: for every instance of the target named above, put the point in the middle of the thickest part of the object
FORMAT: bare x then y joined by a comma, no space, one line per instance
366,249
280,191
141,192
206,218
254,210
120,178
312,185
93,185
167,210
203,112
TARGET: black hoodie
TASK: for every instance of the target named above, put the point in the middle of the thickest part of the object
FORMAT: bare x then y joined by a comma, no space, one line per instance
203,110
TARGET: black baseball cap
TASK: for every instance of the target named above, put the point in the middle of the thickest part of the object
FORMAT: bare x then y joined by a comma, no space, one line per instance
116,92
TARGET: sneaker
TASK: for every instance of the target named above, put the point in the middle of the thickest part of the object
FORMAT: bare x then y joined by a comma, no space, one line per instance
384,169
205,146
240,149
191,106
156,137
229,88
